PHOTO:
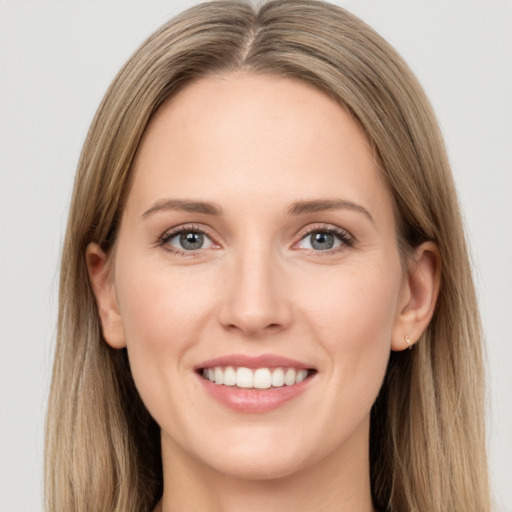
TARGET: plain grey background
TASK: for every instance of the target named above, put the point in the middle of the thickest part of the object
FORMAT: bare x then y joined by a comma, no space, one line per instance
56,60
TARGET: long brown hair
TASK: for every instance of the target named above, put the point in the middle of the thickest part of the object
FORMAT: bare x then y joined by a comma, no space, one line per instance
427,427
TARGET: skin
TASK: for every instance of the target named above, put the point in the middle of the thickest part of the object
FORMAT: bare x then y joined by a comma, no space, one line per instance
254,145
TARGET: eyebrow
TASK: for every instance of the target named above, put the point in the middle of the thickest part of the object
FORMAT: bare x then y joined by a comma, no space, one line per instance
303,207
296,208
185,205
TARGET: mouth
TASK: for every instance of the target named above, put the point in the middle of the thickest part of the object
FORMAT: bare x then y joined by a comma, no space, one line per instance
255,384
261,378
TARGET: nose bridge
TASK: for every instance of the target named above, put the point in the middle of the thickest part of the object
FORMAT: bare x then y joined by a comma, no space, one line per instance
256,300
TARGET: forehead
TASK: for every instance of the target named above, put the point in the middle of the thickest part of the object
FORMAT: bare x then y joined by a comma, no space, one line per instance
246,138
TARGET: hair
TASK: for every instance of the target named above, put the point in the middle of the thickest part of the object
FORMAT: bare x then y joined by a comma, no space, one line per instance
427,439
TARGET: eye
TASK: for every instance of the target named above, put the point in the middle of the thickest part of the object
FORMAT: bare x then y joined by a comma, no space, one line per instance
184,240
325,239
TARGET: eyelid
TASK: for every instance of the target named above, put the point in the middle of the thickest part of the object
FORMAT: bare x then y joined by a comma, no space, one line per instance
344,236
169,234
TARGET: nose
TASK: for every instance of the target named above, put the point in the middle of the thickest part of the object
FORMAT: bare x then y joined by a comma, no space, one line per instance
256,300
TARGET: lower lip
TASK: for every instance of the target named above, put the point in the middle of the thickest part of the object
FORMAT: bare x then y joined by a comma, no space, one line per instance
254,400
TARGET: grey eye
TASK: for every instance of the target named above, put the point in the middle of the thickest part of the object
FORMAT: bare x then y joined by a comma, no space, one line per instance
190,241
320,240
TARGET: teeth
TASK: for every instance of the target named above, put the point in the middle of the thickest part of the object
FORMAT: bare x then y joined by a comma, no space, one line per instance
260,378
244,378
278,378
229,376
301,375
289,377
219,376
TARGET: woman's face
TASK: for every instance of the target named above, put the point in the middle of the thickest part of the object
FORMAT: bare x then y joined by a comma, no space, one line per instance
257,245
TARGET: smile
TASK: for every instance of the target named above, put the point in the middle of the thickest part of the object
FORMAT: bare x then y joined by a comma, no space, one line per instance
255,384
255,378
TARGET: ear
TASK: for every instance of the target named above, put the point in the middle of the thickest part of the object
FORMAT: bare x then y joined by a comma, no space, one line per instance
419,296
100,274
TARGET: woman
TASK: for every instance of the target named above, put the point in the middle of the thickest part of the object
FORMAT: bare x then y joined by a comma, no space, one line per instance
263,221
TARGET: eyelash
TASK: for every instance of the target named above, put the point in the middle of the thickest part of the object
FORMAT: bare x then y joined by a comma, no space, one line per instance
169,235
346,239
342,235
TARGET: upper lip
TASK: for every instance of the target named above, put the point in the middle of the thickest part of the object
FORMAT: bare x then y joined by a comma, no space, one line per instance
261,361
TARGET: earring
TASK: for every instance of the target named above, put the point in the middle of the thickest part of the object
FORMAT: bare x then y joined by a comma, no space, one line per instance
408,341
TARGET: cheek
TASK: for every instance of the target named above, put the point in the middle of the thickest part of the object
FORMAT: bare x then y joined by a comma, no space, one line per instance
353,316
356,307
163,312
161,308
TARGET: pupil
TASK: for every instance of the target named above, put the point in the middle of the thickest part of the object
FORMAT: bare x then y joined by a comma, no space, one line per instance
322,240
191,240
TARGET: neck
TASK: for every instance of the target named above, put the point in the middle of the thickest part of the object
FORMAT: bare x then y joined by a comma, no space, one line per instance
339,481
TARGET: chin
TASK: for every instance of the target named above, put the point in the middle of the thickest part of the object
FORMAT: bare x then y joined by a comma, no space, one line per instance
259,466
262,454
